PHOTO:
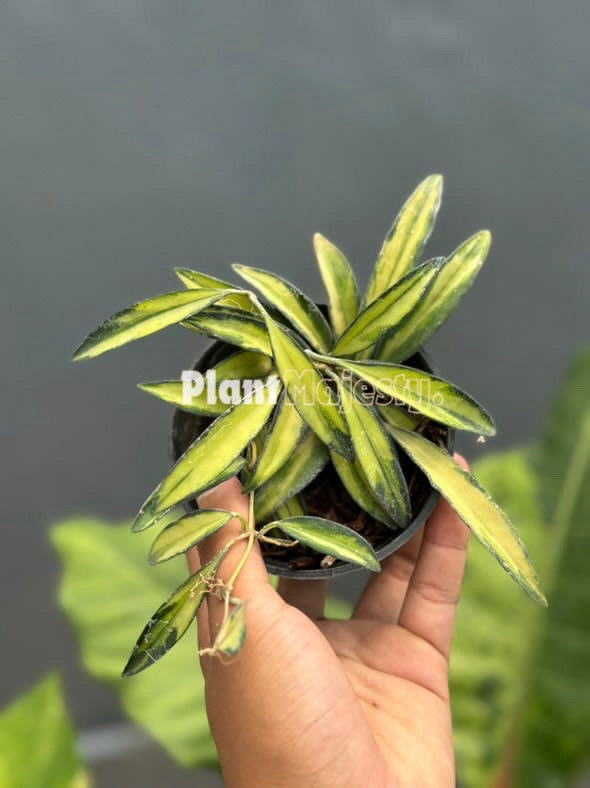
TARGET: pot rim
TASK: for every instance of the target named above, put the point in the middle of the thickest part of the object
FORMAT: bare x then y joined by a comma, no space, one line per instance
281,569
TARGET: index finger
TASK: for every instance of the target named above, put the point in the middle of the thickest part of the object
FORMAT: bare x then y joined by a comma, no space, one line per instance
430,606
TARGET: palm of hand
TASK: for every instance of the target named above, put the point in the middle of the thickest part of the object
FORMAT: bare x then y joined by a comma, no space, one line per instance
311,702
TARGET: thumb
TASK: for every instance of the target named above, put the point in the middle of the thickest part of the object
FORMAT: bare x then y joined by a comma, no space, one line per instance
252,580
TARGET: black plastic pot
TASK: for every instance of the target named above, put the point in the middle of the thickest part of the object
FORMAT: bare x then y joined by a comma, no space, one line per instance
186,427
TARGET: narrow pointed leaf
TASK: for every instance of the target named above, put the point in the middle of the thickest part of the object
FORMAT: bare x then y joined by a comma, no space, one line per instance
292,303
353,478
285,434
143,318
202,463
387,311
308,460
195,280
233,326
171,619
308,390
434,397
179,536
331,538
475,506
340,283
171,391
377,457
232,635
243,364
406,239
455,277
399,416
292,507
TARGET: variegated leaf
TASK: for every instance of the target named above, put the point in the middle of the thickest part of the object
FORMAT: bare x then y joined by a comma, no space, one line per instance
307,389
200,466
398,416
330,538
406,239
293,507
233,326
191,529
232,635
285,434
144,318
340,283
387,311
455,277
195,280
376,456
171,391
352,477
236,298
308,460
302,313
434,397
172,619
243,364
475,506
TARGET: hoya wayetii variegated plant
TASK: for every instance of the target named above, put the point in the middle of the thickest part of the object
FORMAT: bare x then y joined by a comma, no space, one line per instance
333,418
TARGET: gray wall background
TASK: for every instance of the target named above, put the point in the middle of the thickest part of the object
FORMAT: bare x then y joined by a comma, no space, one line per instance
135,136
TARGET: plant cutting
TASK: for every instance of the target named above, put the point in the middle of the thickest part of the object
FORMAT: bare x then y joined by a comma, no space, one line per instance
334,419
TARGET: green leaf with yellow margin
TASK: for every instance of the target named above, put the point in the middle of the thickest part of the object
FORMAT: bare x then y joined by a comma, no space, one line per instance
302,313
454,278
406,239
475,506
340,283
144,318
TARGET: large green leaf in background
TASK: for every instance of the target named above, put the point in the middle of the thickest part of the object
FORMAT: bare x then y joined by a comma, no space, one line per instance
37,741
109,591
520,679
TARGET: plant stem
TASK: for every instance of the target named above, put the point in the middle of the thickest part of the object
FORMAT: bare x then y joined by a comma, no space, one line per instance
248,550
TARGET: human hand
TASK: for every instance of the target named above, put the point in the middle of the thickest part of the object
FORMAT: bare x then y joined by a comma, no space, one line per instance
314,703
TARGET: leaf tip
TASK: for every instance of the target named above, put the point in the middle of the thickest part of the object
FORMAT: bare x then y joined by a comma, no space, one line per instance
133,666
484,240
81,352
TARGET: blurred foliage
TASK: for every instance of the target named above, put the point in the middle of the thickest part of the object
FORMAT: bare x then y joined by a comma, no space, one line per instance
520,684
37,744
519,673
109,590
